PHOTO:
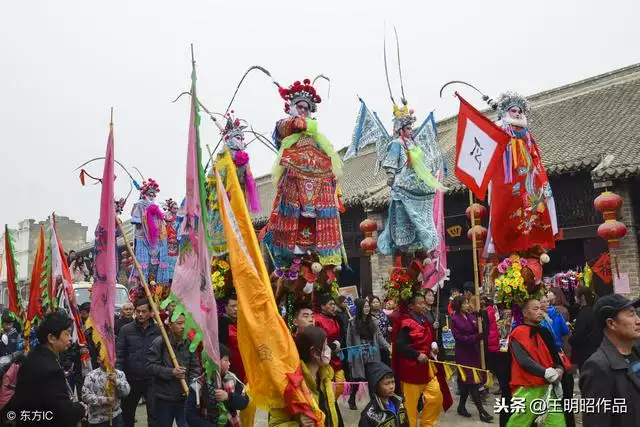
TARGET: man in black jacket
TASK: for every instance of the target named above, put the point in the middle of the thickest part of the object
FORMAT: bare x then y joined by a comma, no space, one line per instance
134,340
167,388
587,335
126,316
41,384
612,373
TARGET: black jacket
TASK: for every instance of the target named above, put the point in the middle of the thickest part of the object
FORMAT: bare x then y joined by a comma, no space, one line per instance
375,414
91,346
586,337
237,401
41,386
120,322
607,375
159,364
13,338
131,350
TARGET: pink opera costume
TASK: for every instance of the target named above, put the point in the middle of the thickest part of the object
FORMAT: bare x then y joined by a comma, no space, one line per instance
171,208
150,238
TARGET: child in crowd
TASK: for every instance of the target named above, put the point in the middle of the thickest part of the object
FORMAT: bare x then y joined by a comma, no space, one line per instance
385,407
216,404
94,394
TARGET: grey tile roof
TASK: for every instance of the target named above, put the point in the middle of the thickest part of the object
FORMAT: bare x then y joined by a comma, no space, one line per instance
576,126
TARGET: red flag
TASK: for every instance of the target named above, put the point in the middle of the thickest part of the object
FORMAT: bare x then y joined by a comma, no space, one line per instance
35,291
67,299
12,280
480,144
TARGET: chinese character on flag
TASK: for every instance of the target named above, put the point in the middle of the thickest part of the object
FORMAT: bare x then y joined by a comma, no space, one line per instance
479,147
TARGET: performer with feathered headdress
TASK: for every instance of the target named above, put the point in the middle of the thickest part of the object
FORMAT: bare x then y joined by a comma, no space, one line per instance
150,238
410,174
233,135
305,215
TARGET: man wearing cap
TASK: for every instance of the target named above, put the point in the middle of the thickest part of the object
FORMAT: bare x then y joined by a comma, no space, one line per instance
613,371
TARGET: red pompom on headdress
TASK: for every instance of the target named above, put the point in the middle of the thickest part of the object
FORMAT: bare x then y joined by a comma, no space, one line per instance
170,205
119,204
300,92
234,126
149,187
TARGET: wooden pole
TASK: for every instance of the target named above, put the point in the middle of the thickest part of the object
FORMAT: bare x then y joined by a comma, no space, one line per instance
438,310
476,278
154,307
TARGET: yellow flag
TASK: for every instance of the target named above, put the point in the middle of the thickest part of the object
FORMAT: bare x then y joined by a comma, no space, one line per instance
489,382
432,369
462,374
448,372
476,377
268,352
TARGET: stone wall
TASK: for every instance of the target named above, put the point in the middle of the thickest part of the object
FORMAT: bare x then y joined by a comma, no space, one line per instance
628,254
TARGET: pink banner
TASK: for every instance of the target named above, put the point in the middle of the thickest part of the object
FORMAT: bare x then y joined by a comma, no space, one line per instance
191,288
104,270
439,266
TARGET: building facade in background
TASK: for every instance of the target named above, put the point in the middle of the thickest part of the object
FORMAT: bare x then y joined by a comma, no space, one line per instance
72,234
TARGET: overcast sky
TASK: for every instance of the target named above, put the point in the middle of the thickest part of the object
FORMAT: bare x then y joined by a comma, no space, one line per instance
64,63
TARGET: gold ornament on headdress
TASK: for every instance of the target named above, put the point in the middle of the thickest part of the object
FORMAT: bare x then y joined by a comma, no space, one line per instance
402,116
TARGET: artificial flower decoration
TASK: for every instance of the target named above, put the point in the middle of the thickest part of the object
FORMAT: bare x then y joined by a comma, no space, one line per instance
399,286
510,286
219,270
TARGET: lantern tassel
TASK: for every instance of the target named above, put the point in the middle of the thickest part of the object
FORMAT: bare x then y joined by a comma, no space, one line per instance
615,261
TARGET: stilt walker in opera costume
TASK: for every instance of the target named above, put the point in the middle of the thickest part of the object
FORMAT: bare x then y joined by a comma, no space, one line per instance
410,164
305,219
523,213
150,237
234,150
411,159
305,215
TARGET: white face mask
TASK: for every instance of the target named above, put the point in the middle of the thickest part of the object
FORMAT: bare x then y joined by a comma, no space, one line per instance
326,355
308,288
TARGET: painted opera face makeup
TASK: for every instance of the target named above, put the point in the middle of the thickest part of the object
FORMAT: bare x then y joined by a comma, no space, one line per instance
515,113
302,109
407,131
236,142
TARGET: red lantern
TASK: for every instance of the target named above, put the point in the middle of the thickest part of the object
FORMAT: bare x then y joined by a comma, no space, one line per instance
478,210
368,226
480,232
369,245
608,204
612,231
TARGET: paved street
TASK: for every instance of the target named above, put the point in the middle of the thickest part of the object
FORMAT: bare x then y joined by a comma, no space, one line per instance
351,418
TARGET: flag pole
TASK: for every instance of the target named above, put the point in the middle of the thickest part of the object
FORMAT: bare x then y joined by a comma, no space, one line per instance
154,307
476,278
438,310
